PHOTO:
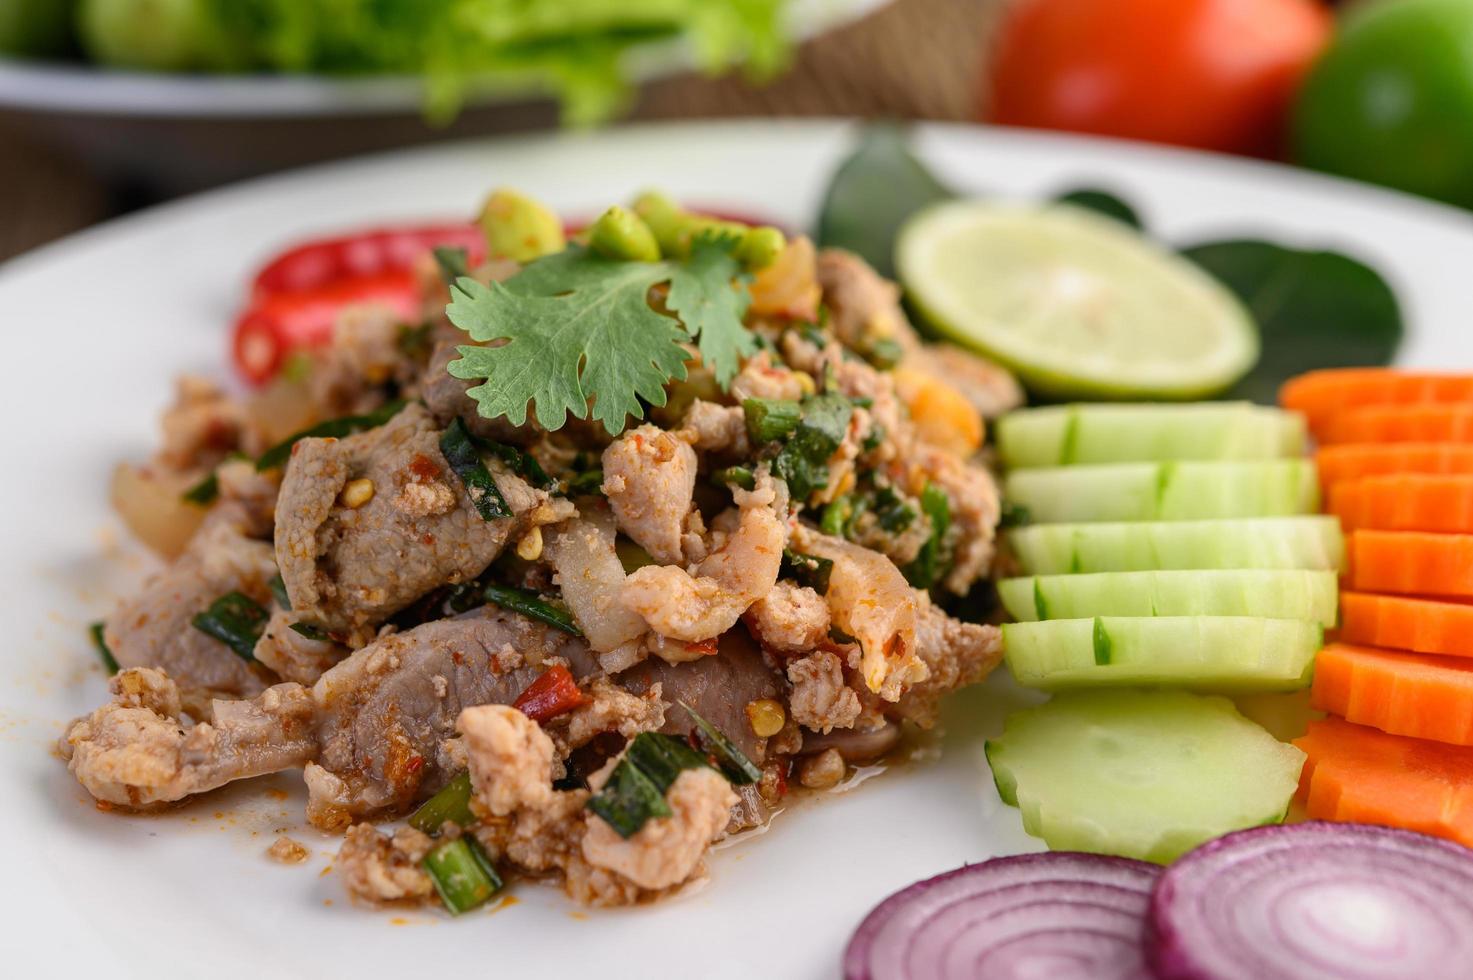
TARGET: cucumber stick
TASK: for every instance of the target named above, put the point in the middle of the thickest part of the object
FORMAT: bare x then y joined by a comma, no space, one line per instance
1277,542
1165,491
1147,775
1064,435
1275,594
1207,653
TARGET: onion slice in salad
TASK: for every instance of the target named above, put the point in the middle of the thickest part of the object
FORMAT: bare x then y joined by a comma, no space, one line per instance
1061,915
1316,900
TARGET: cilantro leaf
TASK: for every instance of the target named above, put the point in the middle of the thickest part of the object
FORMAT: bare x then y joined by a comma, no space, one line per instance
702,294
577,326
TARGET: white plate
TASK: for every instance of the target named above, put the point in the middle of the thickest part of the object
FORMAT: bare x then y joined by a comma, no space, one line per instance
96,327
63,87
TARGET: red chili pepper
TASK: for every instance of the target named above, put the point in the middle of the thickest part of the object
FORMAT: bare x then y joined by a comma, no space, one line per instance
318,263
275,326
706,648
551,694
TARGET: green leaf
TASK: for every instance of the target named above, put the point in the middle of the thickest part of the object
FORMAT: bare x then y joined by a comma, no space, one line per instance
577,326
703,296
1314,310
871,195
1103,202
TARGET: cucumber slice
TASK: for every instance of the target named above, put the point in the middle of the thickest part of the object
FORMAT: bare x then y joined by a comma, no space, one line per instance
1140,774
1165,491
1270,542
1205,653
1078,305
1063,435
1283,594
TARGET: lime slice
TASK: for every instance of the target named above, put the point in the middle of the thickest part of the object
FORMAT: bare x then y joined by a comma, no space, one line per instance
1078,305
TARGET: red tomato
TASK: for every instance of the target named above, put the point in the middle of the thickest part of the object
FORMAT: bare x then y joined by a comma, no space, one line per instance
1213,74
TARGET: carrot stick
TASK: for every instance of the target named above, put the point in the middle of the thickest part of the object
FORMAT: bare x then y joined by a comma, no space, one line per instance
1399,423
1352,461
1401,623
1360,775
1405,502
1401,693
1410,563
1322,394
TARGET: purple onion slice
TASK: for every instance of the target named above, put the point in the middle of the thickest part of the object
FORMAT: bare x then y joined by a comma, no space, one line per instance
1316,900
1061,915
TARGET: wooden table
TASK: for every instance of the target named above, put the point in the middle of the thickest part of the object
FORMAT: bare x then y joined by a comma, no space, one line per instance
916,59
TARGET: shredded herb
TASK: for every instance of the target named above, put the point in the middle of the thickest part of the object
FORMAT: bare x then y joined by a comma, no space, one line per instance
732,761
809,570
519,461
873,439
804,459
841,638
736,476
278,591
205,492
891,512
532,606
630,798
586,483
464,457
99,643
278,454
236,620
452,803
769,419
930,564
462,873
312,632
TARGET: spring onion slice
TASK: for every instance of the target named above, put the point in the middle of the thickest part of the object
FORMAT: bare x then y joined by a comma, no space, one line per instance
452,803
532,606
809,570
312,632
462,874
464,458
732,761
236,620
635,792
586,483
204,492
278,591
736,476
930,564
769,419
278,454
99,642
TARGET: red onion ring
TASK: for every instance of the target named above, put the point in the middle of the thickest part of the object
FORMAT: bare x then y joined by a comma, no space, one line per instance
1061,915
1316,900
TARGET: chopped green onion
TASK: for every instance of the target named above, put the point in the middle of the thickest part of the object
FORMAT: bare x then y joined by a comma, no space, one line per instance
809,570
837,516
586,483
205,492
462,873
862,401
663,758
732,761
453,262
99,642
804,459
278,454
452,803
769,419
465,459
236,620
736,476
1014,515
532,606
278,591
311,632
884,353
628,799
930,564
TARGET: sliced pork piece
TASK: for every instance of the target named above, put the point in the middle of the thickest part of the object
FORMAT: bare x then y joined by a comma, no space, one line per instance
153,628
347,568
955,653
135,752
385,711
650,480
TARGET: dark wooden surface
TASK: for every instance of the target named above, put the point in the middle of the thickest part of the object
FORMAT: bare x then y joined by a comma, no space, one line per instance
915,59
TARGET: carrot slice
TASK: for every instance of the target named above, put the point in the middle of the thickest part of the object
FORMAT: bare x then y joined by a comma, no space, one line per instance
1322,394
1420,625
1399,423
1410,563
1401,693
1360,775
1405,502
1356,460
